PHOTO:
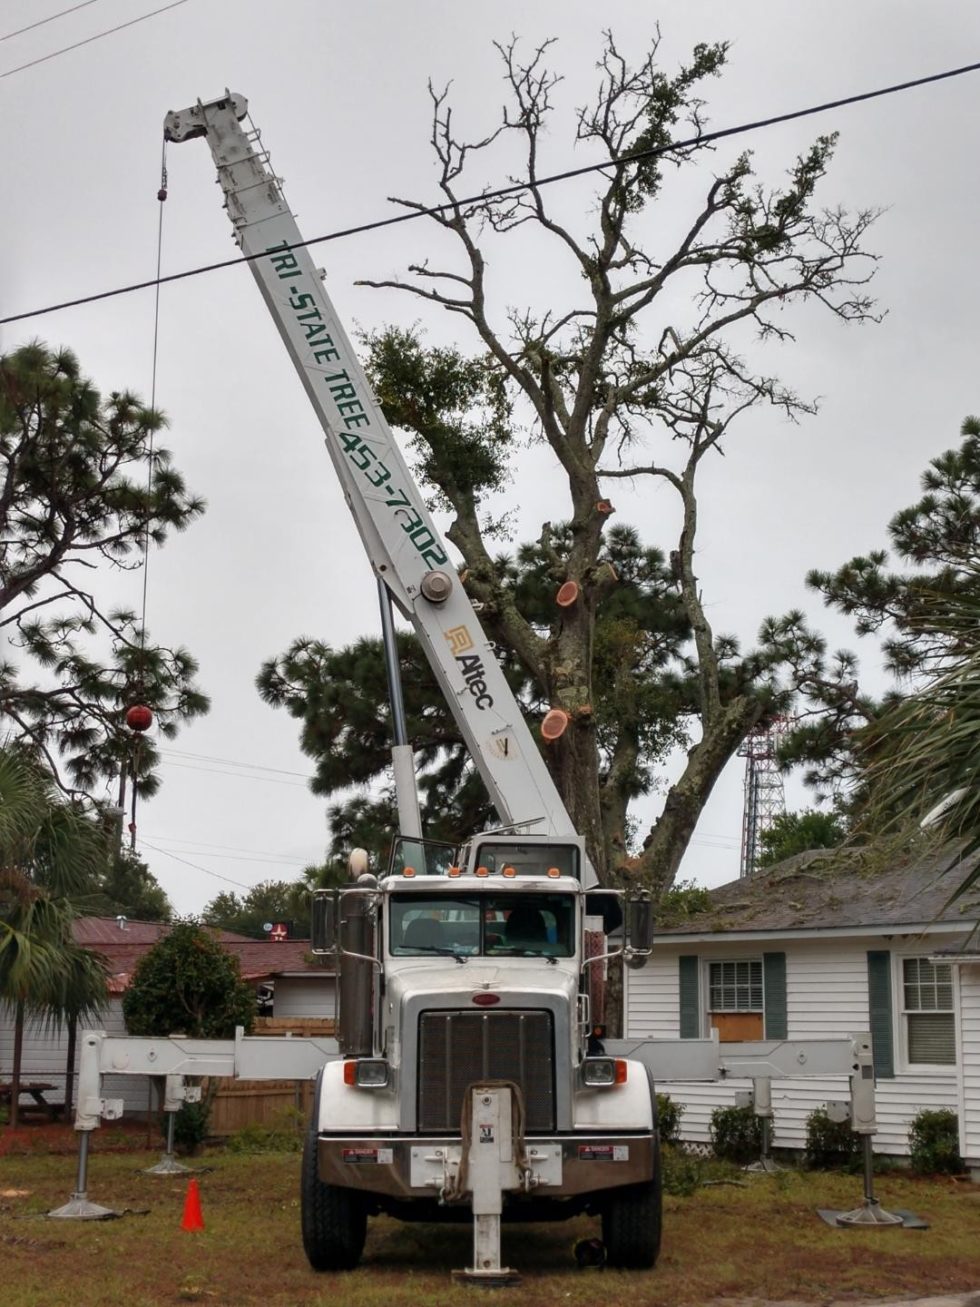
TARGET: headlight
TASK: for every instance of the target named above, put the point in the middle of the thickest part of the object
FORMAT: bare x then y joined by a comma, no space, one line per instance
604,1071
366,1073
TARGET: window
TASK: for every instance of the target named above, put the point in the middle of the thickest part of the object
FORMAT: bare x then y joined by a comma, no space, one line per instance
736,986
927,1011
735,999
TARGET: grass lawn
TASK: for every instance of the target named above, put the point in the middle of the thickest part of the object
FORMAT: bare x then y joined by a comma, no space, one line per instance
762,1241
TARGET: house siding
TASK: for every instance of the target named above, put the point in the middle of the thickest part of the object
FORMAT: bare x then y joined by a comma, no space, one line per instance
969,1102
826,997
46,1051
312,996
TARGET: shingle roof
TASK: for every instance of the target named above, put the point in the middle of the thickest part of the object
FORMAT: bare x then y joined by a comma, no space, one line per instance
260,959
89,931
825,889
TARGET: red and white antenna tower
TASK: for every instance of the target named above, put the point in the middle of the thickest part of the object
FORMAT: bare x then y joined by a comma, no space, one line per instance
765,799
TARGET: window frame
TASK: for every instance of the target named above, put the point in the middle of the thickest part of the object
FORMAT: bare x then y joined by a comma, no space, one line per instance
707,1011
711,1011
902,1014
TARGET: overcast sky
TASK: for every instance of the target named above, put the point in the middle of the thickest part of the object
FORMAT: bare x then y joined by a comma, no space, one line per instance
340,95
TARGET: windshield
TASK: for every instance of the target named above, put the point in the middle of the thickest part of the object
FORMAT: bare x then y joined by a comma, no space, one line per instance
491,925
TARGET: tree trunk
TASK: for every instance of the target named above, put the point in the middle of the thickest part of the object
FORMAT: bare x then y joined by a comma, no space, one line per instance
574,765
15,1073
70,1067
668,841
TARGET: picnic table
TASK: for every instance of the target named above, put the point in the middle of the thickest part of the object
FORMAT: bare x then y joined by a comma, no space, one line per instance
37,1089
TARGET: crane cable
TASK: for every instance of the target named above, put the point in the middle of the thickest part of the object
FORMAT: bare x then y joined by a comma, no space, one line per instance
140,685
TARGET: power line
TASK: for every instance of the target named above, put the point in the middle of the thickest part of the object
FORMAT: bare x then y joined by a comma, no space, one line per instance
201,845
233,762
41,21
235,775
503,192
196,866
89,39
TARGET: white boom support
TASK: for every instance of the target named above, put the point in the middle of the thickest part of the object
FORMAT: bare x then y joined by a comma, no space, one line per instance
401,540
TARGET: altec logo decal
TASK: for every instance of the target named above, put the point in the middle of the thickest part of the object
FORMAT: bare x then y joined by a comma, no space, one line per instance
470,664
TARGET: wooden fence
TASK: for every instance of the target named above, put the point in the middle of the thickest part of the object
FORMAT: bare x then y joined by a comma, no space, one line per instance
239,1103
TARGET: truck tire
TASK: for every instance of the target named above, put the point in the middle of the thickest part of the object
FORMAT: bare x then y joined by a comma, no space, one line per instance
334,1220
632,1219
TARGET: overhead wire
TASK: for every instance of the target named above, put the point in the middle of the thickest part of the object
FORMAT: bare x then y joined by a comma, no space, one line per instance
504,192
77,45
41,22
234,762
196,866
235,775
201,845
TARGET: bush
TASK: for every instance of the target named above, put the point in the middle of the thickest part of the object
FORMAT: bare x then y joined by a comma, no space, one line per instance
934,1142
829,1144
669,1116
736,1134
191,1127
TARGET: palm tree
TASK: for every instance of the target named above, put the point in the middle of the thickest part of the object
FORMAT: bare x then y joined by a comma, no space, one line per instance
924,769
49,849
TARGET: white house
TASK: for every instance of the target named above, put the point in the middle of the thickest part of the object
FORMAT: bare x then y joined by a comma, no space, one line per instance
816,949
301,988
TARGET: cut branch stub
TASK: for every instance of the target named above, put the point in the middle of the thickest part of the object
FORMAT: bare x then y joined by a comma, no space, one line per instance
567,594
554,724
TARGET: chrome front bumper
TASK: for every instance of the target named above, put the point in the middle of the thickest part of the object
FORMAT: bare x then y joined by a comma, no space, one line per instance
416,1166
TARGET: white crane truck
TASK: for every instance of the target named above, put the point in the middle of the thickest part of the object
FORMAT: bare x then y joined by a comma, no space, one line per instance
466,1077
466,1080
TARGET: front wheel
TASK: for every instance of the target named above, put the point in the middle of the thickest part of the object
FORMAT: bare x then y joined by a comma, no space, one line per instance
334,1220
632,1219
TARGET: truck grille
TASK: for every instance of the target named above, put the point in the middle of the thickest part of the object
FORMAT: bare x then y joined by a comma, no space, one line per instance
458,1048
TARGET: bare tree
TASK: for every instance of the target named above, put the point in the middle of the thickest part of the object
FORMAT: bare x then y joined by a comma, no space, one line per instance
638,364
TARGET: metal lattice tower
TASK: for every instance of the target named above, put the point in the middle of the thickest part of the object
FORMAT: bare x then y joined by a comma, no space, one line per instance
765,799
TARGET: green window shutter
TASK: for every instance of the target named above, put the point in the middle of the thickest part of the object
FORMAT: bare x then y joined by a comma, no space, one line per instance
880,1012
774,979
688,973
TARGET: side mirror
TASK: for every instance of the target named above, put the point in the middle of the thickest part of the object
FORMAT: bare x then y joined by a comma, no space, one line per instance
323,923
639,929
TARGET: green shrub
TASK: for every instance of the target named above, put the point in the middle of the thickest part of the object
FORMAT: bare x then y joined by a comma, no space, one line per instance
934,1142
669,1116
736,1134
284,1134
829,1144
191,1126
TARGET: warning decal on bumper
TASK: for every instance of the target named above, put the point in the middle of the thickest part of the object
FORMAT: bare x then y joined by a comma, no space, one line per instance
368,1156
603,1152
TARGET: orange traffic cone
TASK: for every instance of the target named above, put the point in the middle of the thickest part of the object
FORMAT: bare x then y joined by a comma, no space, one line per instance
193,1220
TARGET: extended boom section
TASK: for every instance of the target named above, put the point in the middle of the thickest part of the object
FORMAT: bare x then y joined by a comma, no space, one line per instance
401,540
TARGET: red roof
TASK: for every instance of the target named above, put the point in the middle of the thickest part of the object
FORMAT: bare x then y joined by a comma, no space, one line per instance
121,930
122,948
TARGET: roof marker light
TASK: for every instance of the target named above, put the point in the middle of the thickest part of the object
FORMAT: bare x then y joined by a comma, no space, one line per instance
483,871
408,871
454,871
554,872
510,871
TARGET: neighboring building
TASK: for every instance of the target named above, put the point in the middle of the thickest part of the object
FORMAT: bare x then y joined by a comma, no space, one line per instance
301,988
815,949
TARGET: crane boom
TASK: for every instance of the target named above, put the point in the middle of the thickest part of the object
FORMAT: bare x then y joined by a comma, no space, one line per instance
402,542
